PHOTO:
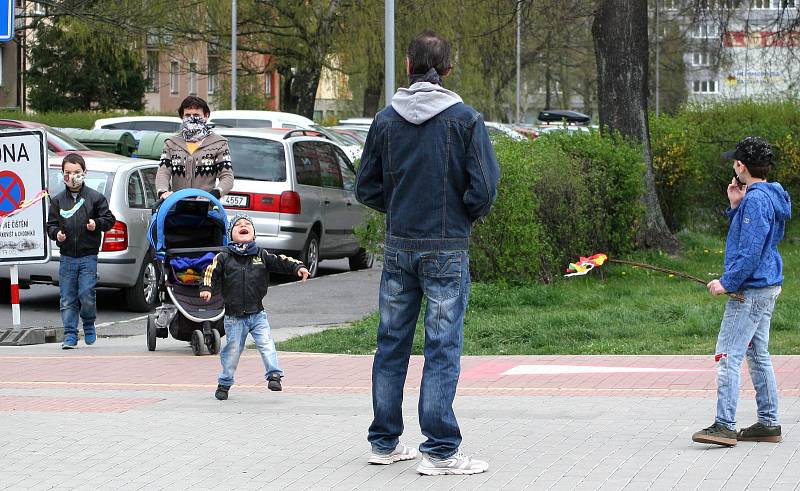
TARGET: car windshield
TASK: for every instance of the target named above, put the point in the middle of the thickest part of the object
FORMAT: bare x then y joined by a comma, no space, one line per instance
257,158
97,180
332,135
66,143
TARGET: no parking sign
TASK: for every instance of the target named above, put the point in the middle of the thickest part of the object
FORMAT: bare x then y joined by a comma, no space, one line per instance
23,212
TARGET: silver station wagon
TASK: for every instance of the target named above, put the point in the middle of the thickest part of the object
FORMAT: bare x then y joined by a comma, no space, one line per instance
125,260
298,189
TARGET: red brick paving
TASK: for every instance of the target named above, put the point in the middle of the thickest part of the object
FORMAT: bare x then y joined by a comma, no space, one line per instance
346,373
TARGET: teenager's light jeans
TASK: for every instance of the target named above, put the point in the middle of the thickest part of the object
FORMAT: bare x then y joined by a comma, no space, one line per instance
236,329
443,278
745,332
77,282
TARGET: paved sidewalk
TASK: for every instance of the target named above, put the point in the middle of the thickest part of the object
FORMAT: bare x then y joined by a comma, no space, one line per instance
114,416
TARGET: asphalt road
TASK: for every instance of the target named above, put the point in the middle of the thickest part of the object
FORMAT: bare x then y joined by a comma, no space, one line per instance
336,296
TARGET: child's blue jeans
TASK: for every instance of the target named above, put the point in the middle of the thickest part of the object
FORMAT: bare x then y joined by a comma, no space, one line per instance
77,281
236,329
745,332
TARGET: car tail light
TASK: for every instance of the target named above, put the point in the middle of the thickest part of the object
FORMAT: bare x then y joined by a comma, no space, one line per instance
290,202
116,239
265,202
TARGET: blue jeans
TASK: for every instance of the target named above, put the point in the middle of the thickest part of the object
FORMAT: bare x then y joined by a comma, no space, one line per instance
236,329
745,332
77,280
443,278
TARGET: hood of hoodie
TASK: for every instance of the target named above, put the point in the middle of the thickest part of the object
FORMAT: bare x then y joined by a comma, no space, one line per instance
781,202
422,101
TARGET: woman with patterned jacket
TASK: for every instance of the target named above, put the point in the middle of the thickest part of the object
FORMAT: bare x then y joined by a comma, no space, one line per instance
195,158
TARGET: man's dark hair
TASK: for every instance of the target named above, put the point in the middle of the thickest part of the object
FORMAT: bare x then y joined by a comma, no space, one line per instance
73,158
193,102
427,50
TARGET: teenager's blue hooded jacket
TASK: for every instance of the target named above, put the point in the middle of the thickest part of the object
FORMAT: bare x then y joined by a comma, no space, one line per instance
757,225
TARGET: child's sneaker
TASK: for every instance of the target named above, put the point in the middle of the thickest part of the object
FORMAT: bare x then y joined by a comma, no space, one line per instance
89,335
222,392
70,341
716,434
400,452
760,433
274,381
458,464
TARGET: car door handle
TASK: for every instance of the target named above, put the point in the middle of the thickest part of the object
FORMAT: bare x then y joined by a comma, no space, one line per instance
327,202
349,203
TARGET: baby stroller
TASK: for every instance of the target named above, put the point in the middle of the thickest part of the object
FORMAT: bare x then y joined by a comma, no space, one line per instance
186,233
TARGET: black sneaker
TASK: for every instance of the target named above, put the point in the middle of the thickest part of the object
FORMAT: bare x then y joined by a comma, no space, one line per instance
274,381
760,433
716,434
222,392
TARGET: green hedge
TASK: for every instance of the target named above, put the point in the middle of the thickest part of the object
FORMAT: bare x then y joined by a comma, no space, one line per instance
83,119
560,196
690,176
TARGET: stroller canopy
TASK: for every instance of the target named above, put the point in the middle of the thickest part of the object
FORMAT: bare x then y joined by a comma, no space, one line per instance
184,221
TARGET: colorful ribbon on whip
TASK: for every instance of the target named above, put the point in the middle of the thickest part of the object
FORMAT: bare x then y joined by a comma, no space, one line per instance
25,204
586,264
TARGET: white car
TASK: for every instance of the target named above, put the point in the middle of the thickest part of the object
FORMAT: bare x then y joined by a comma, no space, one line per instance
499,129
275,119
137,124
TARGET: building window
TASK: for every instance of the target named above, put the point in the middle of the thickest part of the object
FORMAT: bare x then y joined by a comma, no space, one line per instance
671,4
761,4
152,72
705,30
700,58
173,77
268,84
192,78
213,70
704,87
785,4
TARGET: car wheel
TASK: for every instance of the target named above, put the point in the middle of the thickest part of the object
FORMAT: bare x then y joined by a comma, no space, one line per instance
310,254
361,260
143,296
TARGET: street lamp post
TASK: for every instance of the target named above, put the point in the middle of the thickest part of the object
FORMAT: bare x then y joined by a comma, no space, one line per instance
388,48
519,24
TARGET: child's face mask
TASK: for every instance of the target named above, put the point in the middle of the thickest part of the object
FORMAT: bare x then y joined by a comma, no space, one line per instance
74,179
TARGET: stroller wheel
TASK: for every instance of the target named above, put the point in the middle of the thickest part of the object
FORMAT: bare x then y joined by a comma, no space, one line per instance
214,342
198,342
151,333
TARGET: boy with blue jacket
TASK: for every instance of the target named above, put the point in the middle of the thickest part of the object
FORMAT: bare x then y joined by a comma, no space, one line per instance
753,267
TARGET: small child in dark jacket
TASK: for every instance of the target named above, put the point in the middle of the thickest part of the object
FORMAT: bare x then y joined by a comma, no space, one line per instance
242,271
77,218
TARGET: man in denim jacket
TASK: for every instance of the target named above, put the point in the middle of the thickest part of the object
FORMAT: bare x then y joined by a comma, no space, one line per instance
429,166
753,266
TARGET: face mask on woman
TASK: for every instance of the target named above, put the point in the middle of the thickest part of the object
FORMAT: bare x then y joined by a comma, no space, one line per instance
194,128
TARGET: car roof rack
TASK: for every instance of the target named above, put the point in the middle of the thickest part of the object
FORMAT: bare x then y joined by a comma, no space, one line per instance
303,132
560,116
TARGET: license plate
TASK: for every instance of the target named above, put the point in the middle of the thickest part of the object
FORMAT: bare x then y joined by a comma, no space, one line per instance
236,200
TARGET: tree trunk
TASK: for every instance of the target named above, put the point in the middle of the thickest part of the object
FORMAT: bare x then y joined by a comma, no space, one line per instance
621,48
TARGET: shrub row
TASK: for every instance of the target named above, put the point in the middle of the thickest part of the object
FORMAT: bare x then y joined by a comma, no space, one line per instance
690,177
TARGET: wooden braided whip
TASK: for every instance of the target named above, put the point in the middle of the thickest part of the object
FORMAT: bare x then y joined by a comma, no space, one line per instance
736,296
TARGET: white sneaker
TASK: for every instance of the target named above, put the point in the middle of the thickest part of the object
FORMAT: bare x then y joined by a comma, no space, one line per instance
458,464
400,452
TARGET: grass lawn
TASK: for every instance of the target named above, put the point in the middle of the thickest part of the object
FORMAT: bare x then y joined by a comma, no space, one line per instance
614,310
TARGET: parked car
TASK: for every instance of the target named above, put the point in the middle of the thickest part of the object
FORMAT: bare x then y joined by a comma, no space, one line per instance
356,122
57,142
125,260
298,188
496,130
274,119
137,124
355,133
572,130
